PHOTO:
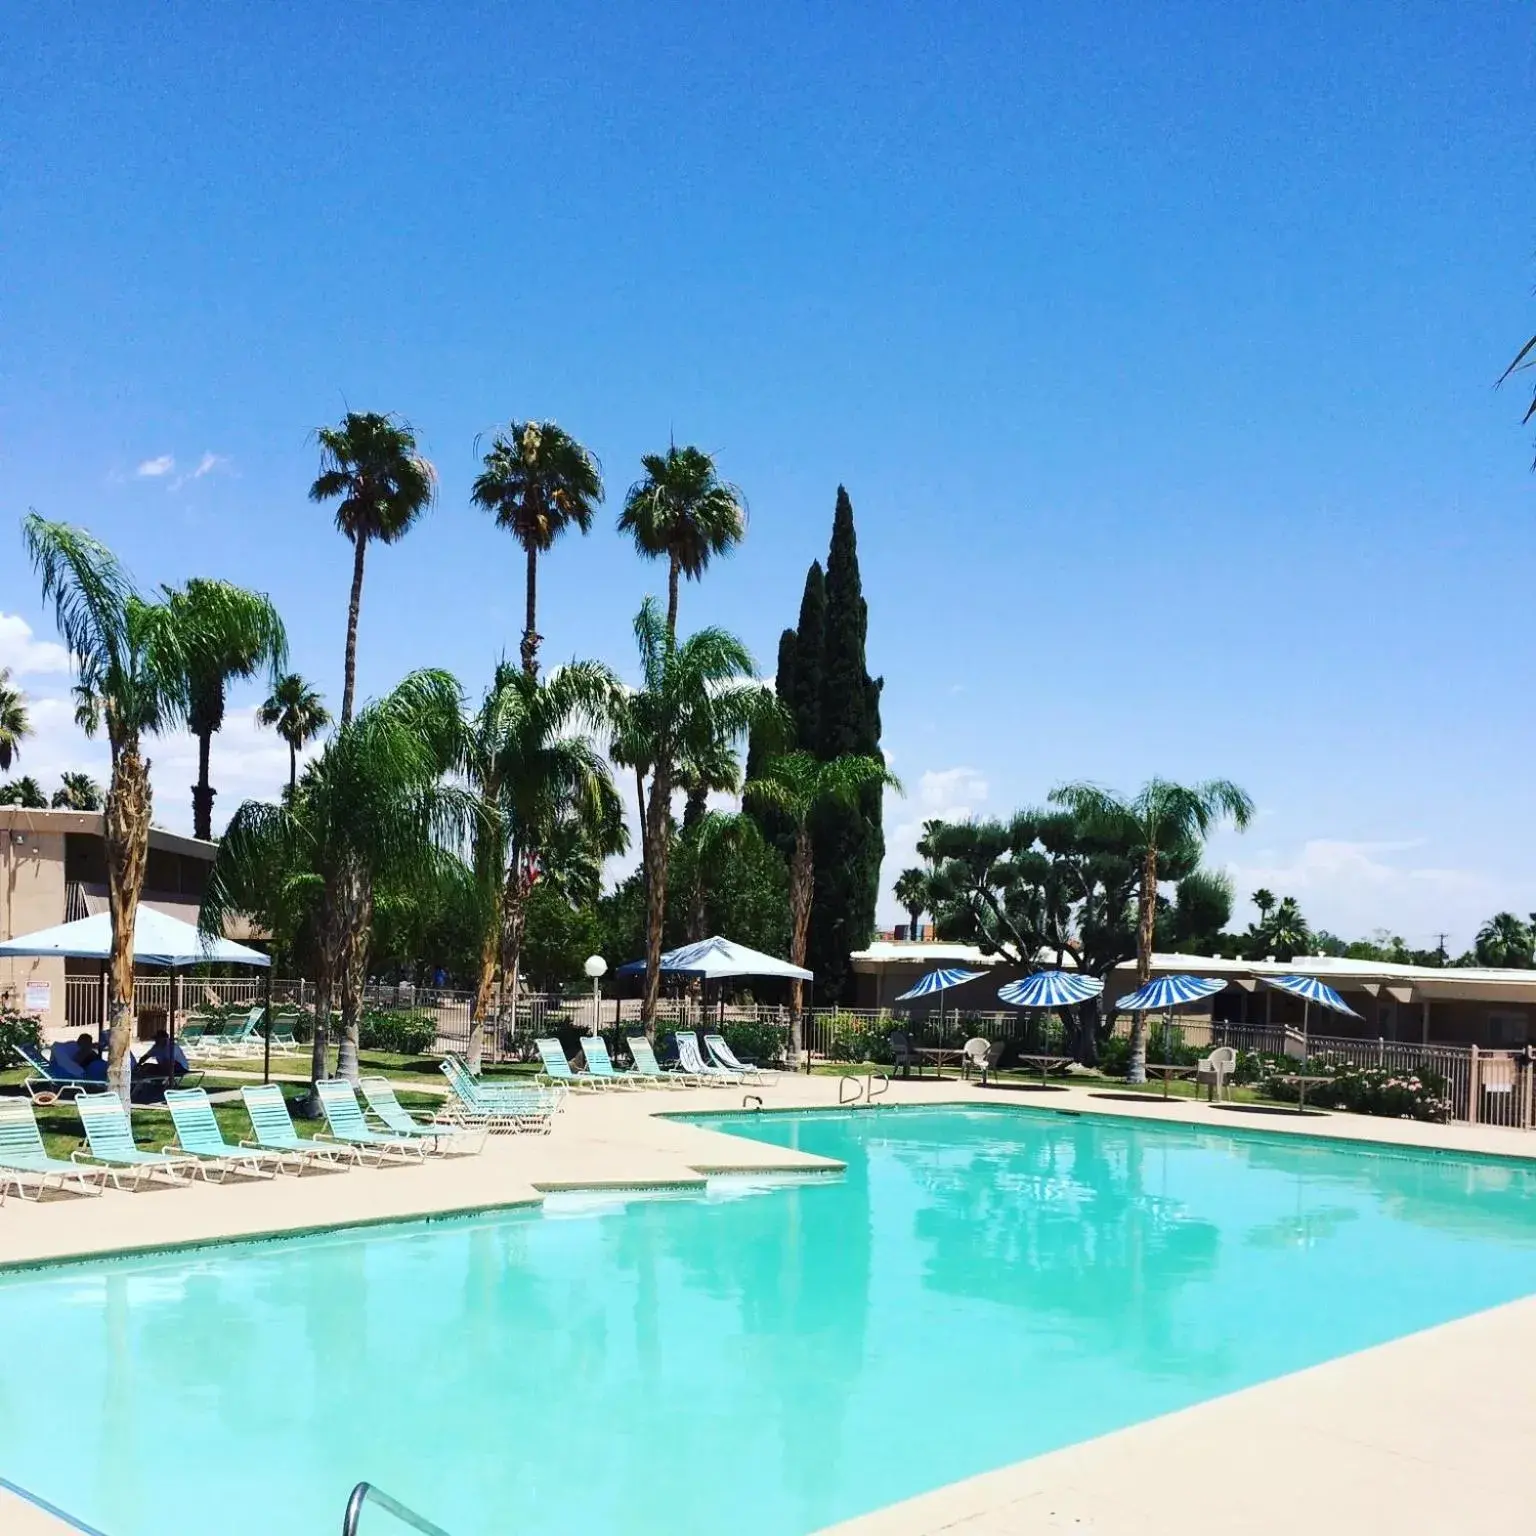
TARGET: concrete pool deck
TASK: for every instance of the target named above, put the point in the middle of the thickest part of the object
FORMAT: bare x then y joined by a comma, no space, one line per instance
1418,1435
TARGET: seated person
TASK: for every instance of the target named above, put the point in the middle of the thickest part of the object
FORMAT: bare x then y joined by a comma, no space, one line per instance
64,1059
92,1064
162,1059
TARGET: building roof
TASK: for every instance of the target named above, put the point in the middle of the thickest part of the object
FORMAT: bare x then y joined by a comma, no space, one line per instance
15,818
884,952
1404,983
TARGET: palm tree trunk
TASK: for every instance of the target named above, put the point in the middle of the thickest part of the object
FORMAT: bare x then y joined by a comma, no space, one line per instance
356,915
202,791
126,832
487,864
655,860
673,570
349,667
1146,917
293,769
802,881
530,645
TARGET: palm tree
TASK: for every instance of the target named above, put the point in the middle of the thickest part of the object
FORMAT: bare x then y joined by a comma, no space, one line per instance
77,792
134,662
1264,900
240,633
372,810
294,710
692,695
714,840
1504,941
25,793
538,480
683,512
14,721
370,462
911,892
545,795
798,785
1162,818
1287,933
708,768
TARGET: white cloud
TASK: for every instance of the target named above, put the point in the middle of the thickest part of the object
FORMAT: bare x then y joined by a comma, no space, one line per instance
1355,888
942,794
26,655
208,463
153,469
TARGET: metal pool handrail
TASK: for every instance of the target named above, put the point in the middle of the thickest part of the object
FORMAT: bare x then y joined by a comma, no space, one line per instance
364,1492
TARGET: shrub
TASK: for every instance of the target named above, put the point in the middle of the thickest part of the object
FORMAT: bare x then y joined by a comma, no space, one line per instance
18,1029
404,1031
850,1038
1400,1095
755,1042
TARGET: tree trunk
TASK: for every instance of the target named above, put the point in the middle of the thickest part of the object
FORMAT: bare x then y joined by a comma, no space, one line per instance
349,666
202,791
802,882
356,916
321,1043
1146,917
672,575
530,645
655,859
126,829
293,769
914,917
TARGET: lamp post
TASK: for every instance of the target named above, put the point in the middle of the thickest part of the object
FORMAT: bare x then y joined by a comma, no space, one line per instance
596,967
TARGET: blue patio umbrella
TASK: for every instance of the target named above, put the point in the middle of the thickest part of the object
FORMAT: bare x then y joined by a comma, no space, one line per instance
939,981
1169,992
1051,989
1310,990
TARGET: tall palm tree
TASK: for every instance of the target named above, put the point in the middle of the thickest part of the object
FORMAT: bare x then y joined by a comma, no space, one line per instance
1286,933
538,480
546,796
691,695
241,634
684,513
911,892
25,793
373,809
1264,900
77,792
710,767
15,724
1162,818
295,711
799,785
383,484
714,840
134,662
1504,941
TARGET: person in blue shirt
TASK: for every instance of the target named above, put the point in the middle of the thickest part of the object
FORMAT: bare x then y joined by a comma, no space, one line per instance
162,1059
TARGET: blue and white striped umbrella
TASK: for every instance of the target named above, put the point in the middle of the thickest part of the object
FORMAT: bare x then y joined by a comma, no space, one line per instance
939,981
1050,989
1169,992
1310,990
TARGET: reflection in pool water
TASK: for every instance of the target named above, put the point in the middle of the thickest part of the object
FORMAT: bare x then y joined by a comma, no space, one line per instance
982,1286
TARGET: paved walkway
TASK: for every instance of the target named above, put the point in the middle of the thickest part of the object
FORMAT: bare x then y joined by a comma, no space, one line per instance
1424,1435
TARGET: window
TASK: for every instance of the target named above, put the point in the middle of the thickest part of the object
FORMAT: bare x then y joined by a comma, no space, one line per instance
1509,1028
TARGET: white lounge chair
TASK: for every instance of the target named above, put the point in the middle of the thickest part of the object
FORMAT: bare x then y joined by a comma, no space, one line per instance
724,1056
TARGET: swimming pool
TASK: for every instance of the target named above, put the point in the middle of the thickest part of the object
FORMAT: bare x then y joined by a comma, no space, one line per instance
983,1285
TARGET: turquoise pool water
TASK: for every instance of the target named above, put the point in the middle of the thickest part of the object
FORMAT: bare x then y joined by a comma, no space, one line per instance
982,1286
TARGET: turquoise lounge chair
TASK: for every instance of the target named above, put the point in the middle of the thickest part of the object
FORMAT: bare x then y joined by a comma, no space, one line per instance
272,1129
558,1070
724,1056
198,1135
694,1064
237,1037
600,1064
648,1067
498,1106
109,1140
47,1079
345,1122
382,1103
281,1031
22,1153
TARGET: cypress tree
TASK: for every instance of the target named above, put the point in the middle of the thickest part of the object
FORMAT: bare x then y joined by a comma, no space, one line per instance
805,696
850,842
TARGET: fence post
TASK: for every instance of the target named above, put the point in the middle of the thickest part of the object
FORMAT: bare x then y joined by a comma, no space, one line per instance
1525,1090
1474,1086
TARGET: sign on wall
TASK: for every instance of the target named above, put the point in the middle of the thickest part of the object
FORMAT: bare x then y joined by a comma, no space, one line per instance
39,996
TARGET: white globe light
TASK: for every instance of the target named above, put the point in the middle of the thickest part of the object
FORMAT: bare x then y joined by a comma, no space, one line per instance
596,966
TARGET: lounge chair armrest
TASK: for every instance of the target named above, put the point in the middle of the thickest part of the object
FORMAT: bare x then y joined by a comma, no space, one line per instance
83,1155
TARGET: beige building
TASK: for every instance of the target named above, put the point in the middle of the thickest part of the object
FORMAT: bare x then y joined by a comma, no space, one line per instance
52,870
1460,1006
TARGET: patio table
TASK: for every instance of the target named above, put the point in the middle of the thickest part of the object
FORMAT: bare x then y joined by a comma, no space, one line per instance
1168,1070
1046,1063
939,1054
1302,1083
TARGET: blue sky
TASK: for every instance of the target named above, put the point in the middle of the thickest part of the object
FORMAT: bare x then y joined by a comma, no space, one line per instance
1155,346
